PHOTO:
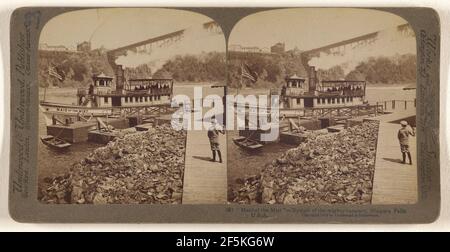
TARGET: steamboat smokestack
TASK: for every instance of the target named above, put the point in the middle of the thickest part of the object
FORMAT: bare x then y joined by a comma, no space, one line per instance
119,78
312,78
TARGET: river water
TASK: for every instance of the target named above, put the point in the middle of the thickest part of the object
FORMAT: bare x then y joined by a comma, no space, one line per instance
51,163
380,94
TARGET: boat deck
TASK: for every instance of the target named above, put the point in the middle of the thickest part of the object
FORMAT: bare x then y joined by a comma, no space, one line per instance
78,131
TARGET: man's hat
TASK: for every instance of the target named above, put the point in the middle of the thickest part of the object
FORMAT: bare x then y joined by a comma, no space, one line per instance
404,123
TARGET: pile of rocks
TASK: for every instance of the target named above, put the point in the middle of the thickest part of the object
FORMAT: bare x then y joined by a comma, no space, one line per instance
144,167
299,129
326,169
248,193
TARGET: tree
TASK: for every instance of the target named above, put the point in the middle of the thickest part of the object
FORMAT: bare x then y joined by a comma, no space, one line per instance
397,69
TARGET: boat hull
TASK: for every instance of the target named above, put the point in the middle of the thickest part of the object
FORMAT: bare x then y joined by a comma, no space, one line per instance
56,109
56,144
247,144
66,111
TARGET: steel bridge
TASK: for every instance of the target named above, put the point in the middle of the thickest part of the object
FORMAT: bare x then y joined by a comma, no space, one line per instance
360,41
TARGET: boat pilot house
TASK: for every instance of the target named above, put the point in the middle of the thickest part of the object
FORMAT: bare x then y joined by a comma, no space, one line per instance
300,93
135,92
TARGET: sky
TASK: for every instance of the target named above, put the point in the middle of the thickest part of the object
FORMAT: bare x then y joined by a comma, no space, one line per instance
304,28
116,27
309,28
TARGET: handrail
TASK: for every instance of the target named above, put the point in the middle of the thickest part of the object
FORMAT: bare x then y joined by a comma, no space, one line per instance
396,101
399,102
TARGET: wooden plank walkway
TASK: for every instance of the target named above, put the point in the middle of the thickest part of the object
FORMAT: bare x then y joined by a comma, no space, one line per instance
205,182
397,114
394,182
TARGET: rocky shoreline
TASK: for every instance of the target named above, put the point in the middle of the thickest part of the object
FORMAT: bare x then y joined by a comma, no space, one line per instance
332,168
138,168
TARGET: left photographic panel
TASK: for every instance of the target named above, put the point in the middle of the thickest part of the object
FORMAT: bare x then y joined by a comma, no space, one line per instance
107,82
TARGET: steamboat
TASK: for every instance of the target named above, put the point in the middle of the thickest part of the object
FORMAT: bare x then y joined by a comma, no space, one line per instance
105,97
309,103
307,93
102,99
114,96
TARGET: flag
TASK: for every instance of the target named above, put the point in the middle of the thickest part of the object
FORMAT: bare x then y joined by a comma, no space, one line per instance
53,71
247,73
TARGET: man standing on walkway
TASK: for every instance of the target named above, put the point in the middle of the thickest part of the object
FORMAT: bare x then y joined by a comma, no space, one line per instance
213,135
403,138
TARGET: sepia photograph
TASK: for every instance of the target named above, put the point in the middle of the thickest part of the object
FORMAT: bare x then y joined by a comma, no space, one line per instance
107,81
212,115
345,87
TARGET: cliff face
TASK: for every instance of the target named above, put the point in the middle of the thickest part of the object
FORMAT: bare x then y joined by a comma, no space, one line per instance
203,67
75,68
386,57
271,68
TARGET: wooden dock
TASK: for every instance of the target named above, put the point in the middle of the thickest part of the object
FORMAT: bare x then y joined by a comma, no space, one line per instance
205,182
397,115
394,182
101,137
332,111
78,131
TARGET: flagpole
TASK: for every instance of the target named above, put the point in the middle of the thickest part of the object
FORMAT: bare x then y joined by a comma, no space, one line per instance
45,91
240,81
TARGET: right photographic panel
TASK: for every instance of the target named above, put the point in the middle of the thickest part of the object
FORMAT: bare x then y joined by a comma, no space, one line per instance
338,87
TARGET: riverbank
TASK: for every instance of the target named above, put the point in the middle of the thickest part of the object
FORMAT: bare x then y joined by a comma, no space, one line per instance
243,165
139,168
53,164
326,169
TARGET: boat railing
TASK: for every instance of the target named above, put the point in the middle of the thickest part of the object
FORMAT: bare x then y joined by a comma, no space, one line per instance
341,93
294,91
97,92
149,92
118,92
329,93
353,92
82,91
334,111
138,92
398,104
85,91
